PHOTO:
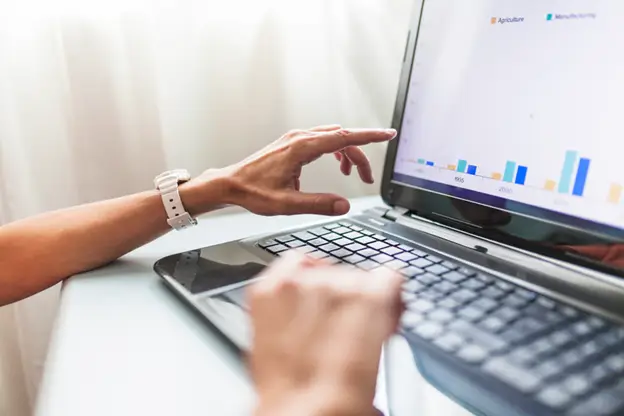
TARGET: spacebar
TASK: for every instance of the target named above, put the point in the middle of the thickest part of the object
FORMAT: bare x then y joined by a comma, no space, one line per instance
485,340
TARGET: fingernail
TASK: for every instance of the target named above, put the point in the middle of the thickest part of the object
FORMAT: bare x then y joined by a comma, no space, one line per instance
391,132
341,207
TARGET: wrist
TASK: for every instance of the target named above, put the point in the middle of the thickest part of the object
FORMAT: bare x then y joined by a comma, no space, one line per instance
314,402
208,192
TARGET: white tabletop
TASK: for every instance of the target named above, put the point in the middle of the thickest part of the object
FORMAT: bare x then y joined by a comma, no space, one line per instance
124,345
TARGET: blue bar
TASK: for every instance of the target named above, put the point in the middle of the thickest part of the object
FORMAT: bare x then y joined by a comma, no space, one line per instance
430,163
567,171
472,170
581,177
461,166
521,175
510,169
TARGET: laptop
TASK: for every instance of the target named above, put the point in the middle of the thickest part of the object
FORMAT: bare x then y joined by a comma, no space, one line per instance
503,209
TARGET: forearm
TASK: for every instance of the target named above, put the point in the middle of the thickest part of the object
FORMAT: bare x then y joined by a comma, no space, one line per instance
39,252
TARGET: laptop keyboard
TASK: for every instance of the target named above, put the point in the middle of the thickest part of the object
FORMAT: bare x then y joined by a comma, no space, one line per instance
567,360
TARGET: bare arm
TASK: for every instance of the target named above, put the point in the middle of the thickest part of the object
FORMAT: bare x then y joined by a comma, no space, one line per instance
38,252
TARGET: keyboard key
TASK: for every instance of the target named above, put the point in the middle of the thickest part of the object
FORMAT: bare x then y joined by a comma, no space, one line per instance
318,254
365,240
284,239
295,244
368,265
582,328
554,397
378,245
506,313
561,338
406,256
437,269
395,264
345,224
304,236
449,342
418,252
413,286
421,305
473,284
598,374
514,301
430,294
392,242
356,247
448,303
277,249
464,295
428,330
441,315
616,362
518,377
454,277
548,369
267,243
333,260
382,258
597,323
492,324
319,231
356,228
466,271
411,272
329,247
433,258
353,259
542,347
478,336
428,278
528,326
450,265
527,294
332,226
493,292
485,304
366,232
378,237
341,253
602,403
404,247
485,278
391,251
545,302
470,313
576,385
522,356
354,235
317,242
422,263
569,311
305,249
410,319
445,287
472,354
342,242
369,252
342,230
332,237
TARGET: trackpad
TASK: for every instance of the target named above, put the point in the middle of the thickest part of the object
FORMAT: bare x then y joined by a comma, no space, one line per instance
237,296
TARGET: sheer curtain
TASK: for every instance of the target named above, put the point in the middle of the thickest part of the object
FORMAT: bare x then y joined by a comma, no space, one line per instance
96,97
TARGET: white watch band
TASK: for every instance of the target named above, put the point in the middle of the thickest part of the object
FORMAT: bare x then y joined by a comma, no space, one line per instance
167,185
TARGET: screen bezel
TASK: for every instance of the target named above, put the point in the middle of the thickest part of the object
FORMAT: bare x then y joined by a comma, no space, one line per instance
419,200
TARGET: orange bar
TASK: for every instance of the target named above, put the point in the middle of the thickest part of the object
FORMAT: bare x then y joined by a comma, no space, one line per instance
550,185
451,167
497,176
615,193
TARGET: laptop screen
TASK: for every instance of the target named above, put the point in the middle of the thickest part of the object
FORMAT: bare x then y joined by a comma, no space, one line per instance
519,105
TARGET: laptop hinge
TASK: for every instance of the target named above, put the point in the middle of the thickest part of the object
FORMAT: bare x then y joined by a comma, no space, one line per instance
395,213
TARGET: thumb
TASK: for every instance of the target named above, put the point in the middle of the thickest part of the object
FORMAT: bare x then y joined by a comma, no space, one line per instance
320,204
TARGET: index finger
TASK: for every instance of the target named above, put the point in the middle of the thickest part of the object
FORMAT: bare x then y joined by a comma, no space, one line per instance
334,141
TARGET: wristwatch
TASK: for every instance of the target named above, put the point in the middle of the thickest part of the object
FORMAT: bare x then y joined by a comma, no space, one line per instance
167,184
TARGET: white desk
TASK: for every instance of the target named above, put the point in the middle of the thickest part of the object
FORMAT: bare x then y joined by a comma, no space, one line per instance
124,345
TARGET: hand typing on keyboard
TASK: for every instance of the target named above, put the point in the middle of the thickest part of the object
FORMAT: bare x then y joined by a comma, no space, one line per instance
318,334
